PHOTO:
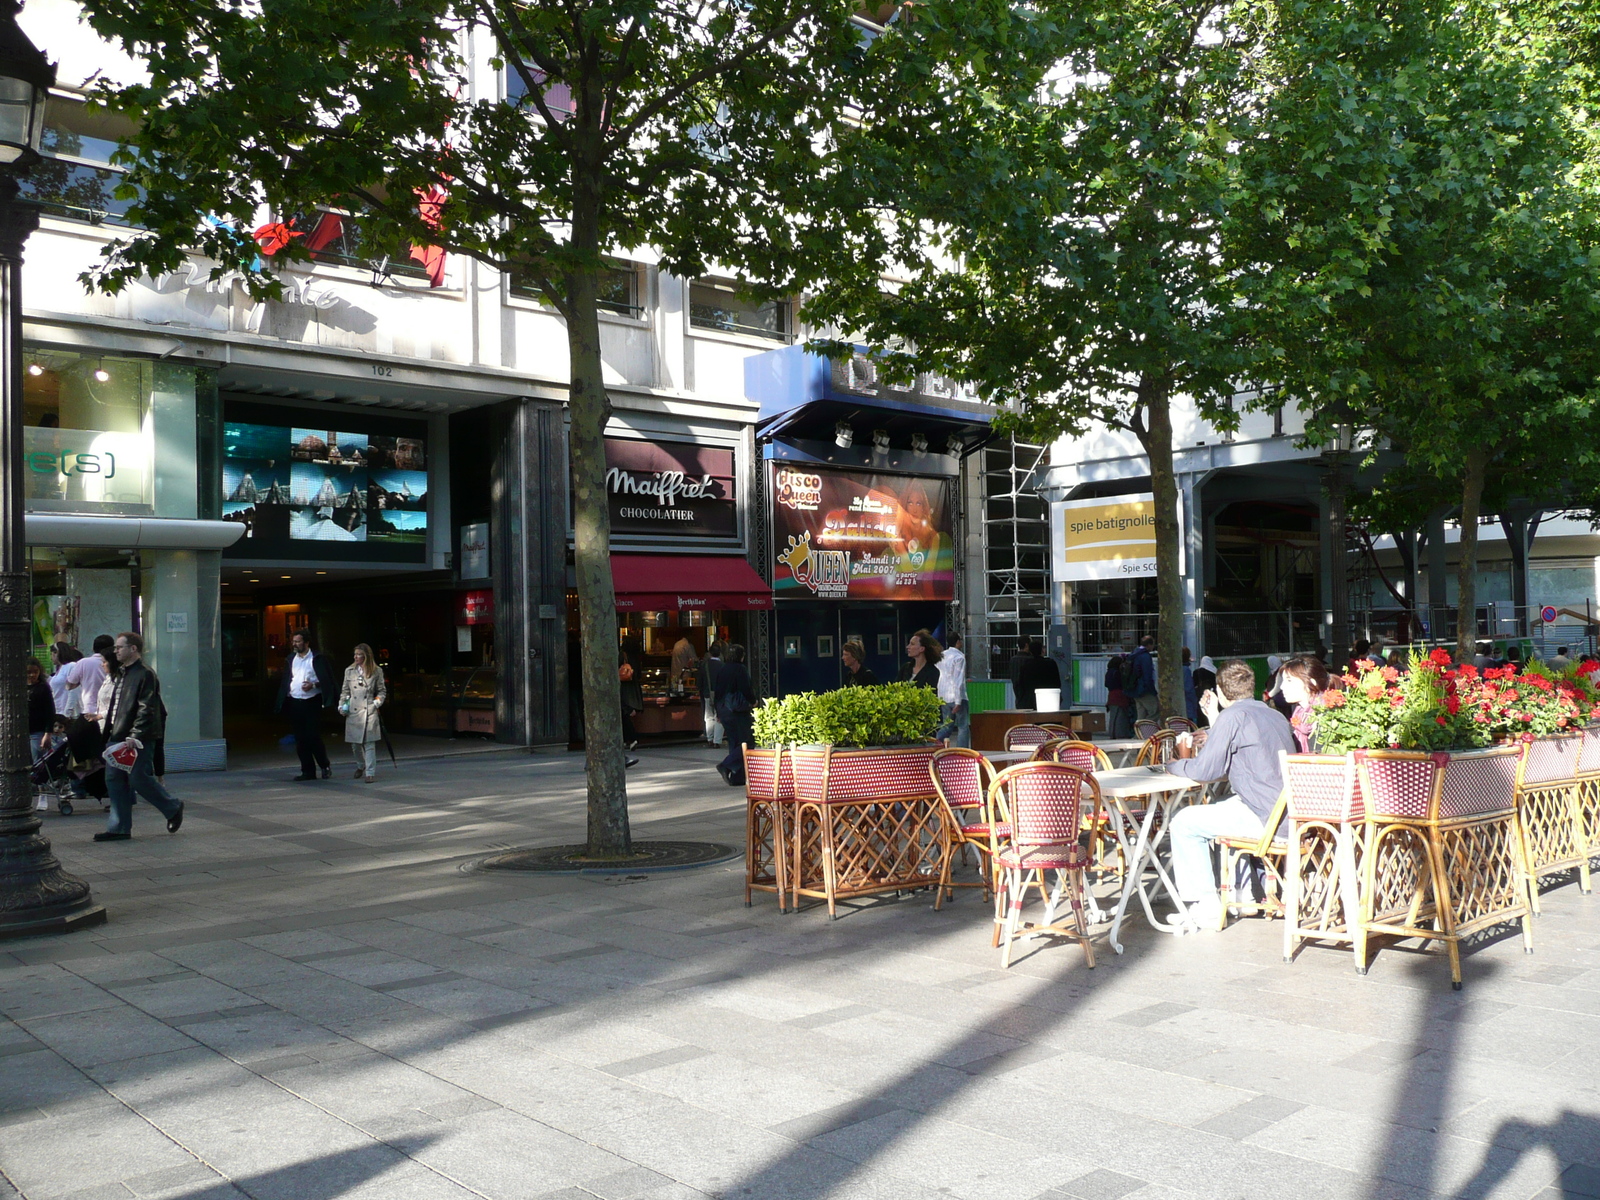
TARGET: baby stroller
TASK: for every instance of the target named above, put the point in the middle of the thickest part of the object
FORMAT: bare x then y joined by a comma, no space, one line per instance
72,765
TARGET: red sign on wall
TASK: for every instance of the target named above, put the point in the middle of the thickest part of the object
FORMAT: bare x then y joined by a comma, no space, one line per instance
475,607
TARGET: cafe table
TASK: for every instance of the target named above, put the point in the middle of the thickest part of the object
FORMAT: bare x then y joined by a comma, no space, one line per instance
1163,793
1121,750
1000,759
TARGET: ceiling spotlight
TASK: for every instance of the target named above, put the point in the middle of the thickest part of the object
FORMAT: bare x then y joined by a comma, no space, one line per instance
283,577
102,375
919,442
35,369
843,435
321,572
880,439
955,445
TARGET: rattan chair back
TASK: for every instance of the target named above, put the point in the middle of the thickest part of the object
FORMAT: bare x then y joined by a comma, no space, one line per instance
1181,725
1026,737
1041,803
1159,748
1146,728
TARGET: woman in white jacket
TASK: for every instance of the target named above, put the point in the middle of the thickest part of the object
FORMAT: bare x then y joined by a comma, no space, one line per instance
360,698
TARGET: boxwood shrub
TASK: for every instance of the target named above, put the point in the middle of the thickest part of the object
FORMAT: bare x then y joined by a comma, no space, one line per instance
893,714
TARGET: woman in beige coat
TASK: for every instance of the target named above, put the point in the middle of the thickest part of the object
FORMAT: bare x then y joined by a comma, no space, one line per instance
360,698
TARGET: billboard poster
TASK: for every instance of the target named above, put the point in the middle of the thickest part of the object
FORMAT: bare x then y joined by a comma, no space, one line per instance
841,535
287,483
672,488
1112,537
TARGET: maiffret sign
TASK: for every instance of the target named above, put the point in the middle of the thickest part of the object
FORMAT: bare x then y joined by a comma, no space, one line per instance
675,488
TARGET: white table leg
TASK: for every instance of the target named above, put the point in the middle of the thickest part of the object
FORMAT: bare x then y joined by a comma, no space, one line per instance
1134,856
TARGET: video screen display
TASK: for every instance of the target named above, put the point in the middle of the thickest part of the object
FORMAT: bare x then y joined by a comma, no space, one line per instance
295,485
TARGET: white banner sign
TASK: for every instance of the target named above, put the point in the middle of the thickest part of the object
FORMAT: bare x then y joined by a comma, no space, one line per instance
1111,537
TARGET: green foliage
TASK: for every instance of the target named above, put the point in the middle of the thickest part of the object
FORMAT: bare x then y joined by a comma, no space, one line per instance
892,714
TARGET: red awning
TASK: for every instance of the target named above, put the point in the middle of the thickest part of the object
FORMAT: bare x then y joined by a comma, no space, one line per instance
674,581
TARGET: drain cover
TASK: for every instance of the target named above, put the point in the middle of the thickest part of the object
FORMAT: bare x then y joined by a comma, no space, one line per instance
646,856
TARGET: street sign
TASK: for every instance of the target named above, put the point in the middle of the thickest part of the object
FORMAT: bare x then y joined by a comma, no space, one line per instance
1547,614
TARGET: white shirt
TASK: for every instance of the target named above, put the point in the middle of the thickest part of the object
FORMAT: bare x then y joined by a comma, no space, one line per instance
301,673
61,692
87,674
952,676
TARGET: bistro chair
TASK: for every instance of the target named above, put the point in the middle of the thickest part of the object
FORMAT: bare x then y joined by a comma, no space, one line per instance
1181,725
1158,749
1146,728
1055,730
1086,756
1550,811
1026,737
1037,807
1443,857
1272,850
961,778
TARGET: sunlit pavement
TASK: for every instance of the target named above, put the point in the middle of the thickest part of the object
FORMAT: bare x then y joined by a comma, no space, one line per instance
308,993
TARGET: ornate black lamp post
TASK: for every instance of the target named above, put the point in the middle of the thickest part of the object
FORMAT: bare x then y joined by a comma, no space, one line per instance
36,895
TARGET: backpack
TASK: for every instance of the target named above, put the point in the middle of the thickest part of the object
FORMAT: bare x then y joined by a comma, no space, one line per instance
1130,675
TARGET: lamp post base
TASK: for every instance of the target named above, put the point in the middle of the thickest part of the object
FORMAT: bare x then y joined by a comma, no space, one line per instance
85,916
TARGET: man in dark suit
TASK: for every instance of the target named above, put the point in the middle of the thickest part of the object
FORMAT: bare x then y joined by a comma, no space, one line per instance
306,686
1030,671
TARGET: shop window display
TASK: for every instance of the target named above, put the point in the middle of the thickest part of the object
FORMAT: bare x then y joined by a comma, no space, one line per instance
87,436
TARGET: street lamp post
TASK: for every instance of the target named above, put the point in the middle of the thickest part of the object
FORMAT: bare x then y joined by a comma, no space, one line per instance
36,894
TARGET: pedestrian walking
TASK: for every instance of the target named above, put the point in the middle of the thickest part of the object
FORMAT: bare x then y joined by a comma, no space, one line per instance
705,677
1119,705
135,721
736,703
1146,701
360,697
305,688
91,676
41,708
956,723
630,693
856,672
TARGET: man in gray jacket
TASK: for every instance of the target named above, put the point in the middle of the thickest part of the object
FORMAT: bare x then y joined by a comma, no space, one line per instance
136,716
1245,739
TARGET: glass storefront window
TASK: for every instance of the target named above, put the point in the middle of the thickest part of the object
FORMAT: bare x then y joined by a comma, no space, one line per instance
79,594
76,178
87,437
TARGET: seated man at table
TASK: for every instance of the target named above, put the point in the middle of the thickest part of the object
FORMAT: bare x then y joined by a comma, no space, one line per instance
1246,736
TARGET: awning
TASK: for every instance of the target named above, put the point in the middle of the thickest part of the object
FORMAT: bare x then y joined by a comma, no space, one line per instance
676,581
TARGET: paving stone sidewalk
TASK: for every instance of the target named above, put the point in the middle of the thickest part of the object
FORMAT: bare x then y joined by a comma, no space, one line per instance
309,993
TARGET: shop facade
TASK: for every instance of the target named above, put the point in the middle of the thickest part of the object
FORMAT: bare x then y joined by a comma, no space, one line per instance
865,495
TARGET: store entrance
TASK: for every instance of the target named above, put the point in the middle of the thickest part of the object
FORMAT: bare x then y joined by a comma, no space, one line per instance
810,635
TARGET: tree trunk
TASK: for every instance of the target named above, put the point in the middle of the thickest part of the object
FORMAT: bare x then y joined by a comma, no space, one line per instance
1155,397
591,519
1472,480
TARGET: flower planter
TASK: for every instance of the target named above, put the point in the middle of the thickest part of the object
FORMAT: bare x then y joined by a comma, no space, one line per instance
866,821
1443,857
1589,789
1549,810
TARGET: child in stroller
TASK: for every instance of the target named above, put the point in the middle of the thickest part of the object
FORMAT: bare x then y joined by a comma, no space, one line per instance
70,767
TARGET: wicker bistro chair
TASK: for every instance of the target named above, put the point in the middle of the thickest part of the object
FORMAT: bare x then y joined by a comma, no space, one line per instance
1146,728
1550,811
769,819
1159,748
1055,730
961,778
1442,847
1272,850
1181,725
1325,839
1025,737
869,822
1037,807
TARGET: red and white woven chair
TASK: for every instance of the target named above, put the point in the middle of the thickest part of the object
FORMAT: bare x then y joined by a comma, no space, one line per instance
1026,737
1442,847
1055,730
1181,725
962,777
1146,728
1038,810
1158,749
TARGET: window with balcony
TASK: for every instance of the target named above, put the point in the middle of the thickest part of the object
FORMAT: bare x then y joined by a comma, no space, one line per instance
335,237
77,178
714,304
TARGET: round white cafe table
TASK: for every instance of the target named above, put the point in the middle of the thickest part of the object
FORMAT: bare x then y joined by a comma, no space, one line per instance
1160,791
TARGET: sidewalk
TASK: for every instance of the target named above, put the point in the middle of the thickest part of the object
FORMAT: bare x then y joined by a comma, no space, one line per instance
308,993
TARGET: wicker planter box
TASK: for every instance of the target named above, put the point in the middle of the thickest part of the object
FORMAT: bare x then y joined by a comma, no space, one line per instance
865,821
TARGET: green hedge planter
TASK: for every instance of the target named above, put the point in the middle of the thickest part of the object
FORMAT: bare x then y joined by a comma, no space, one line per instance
893,714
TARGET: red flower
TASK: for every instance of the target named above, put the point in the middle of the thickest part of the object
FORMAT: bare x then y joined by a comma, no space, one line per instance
1375,692
1331,699
1528,737
1588,668
1441,721
1440,657
1390,675
1452,705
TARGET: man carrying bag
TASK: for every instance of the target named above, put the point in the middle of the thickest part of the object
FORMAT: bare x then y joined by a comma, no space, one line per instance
135,722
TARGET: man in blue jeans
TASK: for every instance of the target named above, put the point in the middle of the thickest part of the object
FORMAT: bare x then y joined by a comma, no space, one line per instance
1243,745
1146,704
135,716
